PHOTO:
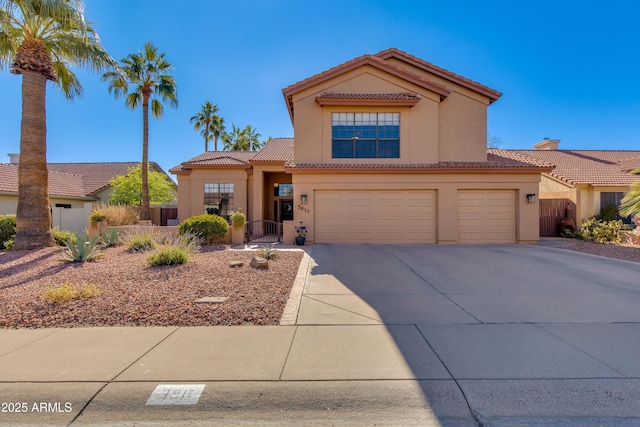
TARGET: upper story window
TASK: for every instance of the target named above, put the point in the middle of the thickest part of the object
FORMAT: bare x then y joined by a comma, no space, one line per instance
218,199
365,135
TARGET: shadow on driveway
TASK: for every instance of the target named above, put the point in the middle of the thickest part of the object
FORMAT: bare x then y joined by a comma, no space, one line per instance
489,332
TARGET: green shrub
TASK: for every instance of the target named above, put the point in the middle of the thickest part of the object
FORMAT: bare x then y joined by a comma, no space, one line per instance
167,255
141,239
238,219
594,230
8,245
609,212
110,237
68,292
7,229
96,216
210,228
268,252
141,243
61,237
83,250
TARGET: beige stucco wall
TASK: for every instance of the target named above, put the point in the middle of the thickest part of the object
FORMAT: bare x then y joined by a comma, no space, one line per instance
430,131
191,189
446,186
8,204
74,219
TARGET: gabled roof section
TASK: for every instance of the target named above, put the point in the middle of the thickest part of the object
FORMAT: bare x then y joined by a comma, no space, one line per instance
597,168
60,184
278,150
365,60
492,94
212,159
97,176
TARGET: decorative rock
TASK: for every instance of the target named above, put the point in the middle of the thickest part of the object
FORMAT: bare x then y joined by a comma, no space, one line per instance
236,263
258,262
210,300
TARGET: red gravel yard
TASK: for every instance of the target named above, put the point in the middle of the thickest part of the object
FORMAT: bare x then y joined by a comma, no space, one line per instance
134,294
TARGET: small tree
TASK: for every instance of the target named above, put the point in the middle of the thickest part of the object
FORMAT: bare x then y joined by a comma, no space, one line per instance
127,190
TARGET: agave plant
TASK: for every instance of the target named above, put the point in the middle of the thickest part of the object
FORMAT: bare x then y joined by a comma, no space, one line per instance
110,237
83,249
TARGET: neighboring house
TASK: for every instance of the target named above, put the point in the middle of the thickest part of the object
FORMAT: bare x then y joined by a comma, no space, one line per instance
387,148
590,179
73,189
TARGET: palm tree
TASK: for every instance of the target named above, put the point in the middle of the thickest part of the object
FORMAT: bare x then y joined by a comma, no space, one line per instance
212,125
148,71
630,203
40,39
252,136
235,140
242,139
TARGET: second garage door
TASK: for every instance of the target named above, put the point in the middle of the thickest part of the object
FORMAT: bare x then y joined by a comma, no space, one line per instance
486,216
375,216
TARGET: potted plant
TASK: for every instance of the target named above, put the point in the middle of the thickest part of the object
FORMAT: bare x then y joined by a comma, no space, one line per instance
301,234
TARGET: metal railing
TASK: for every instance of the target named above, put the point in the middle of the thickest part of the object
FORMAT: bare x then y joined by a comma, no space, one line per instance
263,231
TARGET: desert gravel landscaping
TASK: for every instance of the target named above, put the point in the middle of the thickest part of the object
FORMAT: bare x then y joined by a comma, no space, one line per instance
137,295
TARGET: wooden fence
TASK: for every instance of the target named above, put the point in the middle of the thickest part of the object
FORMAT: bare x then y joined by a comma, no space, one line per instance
552,212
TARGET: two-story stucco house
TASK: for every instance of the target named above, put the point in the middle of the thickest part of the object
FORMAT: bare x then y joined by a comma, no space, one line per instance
387,148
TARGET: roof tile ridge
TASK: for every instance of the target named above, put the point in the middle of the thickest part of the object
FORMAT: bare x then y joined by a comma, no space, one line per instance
391,51
328,71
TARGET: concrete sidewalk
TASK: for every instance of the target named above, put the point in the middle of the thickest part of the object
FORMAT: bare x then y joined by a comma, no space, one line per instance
386,335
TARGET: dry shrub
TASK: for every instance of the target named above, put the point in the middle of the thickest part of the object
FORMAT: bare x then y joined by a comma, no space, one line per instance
117,215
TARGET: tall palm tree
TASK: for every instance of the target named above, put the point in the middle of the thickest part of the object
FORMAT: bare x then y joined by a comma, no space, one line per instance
40,39
235,140
630,203
252,136
212,124
148,72
245,139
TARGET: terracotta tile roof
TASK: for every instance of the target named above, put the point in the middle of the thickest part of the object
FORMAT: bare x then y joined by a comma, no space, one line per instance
216,159
97,176
370,60
60,184
439,71
495,160
277,150
401,96
593,167
627,165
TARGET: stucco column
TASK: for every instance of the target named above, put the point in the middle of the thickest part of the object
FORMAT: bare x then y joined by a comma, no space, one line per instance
257,201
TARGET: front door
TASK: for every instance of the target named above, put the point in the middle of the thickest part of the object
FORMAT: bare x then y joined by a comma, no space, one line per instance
286,210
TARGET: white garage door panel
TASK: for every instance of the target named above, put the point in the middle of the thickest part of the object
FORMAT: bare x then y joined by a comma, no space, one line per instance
375,216
486,216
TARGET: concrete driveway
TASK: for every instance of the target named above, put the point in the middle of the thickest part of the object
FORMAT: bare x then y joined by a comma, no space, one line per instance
519,333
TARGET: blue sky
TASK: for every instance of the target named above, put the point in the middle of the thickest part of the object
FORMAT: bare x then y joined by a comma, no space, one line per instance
567,69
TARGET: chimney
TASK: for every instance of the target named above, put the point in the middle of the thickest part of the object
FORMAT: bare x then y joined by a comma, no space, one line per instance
14,159
547,144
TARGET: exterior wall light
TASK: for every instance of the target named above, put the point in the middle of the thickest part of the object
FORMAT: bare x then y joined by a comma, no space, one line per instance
531,198
303,199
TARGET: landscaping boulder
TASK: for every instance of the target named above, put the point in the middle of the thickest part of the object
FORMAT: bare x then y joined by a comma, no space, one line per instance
258,262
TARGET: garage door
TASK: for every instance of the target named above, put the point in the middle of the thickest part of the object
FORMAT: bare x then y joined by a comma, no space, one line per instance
375,216
486,216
